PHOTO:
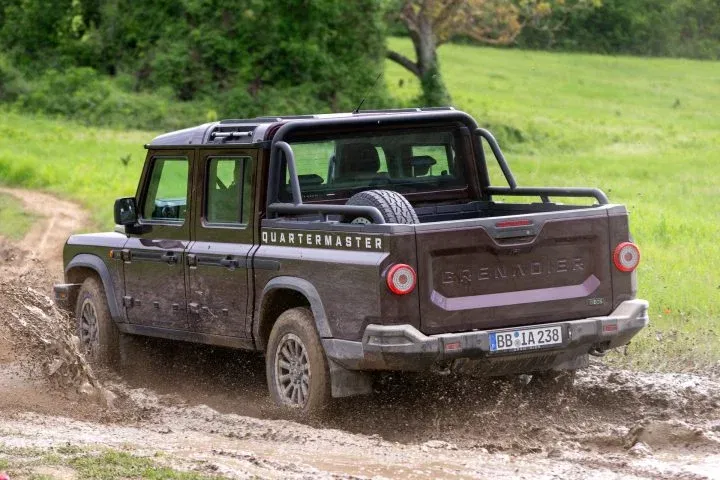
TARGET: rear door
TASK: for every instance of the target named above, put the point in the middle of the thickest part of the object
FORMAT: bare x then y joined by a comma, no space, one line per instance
511,271
153,261
217,261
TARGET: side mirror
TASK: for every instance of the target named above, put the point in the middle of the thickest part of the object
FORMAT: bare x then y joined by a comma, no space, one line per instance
126,211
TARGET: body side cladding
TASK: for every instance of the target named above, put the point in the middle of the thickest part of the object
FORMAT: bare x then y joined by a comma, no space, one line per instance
95,263
309,291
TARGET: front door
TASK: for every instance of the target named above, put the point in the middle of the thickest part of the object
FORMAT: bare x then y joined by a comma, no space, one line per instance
217,259
154,260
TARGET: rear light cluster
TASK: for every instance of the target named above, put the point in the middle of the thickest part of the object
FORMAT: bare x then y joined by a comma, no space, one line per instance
626,257
401,279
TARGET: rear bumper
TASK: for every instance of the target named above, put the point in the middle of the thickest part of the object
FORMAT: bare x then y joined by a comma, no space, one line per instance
403,347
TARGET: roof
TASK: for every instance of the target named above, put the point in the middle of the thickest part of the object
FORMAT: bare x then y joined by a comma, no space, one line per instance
252,130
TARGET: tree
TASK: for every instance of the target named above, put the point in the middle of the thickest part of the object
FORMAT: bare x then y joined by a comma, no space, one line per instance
430,23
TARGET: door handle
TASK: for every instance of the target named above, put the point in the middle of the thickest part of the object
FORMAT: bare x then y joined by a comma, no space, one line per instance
229,262
169,257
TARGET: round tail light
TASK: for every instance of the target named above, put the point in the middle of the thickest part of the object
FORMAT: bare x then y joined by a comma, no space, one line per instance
626,257
401,279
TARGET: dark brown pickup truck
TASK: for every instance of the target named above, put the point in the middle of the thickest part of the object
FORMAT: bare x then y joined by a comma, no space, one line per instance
343,244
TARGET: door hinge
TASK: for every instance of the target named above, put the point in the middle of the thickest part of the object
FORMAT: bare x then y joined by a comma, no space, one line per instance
126,255
192,260
128,302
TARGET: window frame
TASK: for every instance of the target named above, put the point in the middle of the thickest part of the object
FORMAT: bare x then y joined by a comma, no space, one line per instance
143,197
243,223
459,191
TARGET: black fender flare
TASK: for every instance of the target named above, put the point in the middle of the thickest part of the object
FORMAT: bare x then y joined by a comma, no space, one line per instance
309,291
93,262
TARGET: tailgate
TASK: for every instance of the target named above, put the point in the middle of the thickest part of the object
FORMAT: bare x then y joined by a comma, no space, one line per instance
509,271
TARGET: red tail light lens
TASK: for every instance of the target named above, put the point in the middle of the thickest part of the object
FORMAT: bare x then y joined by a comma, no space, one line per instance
626,257
401,279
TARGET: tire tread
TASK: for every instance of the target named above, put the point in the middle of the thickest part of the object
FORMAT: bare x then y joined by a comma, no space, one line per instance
394,207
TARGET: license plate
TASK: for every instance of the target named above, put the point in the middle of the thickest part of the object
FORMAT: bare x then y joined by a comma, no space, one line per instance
525,339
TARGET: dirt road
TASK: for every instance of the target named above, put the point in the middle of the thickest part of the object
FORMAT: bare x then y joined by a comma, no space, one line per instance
206,410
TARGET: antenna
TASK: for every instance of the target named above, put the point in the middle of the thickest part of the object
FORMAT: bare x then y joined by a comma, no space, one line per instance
357,110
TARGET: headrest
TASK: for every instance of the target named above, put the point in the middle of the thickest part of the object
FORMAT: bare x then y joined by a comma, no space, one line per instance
359,158
421,164
310,179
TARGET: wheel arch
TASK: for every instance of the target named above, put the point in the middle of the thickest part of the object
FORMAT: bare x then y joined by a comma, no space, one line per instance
85,264
281,294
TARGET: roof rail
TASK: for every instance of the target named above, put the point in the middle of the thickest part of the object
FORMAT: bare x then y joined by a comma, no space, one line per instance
405,110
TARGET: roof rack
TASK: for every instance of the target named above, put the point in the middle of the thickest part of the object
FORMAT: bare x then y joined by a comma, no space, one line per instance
406,110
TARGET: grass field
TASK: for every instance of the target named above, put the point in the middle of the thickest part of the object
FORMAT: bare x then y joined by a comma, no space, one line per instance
647,131
82,163
15,222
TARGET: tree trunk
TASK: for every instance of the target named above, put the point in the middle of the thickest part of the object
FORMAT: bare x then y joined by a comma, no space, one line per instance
426,67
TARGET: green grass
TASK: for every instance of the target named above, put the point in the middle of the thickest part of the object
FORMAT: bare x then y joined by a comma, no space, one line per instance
113,464
90,464
80,162
15,222
645,130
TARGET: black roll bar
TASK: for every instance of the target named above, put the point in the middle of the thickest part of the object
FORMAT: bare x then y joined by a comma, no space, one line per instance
307,208
294,180
297,207
278,146
543,192
498,156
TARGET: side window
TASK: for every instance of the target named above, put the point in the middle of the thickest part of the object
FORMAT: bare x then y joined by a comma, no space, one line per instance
166,196
224,202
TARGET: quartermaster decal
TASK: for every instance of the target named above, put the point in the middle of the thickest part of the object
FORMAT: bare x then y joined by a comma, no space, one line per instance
314,239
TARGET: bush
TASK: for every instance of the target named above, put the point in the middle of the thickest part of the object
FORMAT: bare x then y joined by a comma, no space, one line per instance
12,83
86,96
672,28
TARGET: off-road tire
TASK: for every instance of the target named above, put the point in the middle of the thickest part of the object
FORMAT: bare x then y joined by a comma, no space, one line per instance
292,327
554,380
98,334
394,207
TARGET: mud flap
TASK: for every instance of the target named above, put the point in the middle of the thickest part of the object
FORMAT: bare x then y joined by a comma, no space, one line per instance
348,383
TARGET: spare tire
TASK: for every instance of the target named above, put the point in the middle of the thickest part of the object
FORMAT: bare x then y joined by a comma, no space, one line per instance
394,207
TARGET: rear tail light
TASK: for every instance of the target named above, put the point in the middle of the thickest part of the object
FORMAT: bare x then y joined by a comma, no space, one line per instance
401,279
626,257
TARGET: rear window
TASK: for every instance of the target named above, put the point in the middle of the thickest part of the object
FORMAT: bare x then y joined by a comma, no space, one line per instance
407,161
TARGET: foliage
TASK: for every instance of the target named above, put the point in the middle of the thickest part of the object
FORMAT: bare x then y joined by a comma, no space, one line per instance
676,28
431,23
93,99
241,55
12,83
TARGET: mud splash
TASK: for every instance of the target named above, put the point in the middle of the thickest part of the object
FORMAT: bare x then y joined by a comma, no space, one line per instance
37,338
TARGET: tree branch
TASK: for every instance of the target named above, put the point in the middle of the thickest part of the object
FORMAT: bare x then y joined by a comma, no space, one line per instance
404,61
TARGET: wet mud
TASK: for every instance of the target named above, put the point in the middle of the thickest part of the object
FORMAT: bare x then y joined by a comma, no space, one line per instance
207,410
